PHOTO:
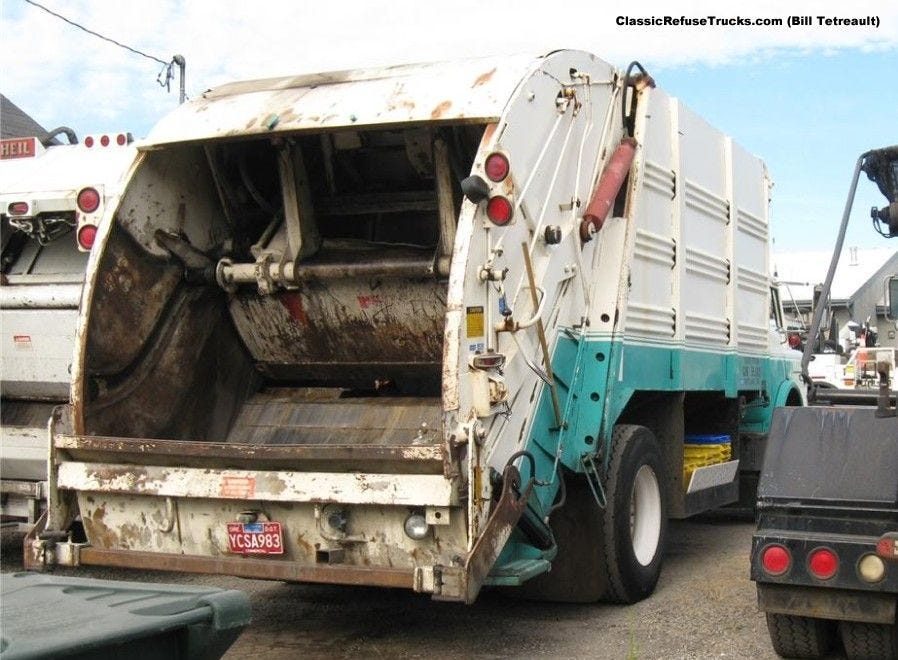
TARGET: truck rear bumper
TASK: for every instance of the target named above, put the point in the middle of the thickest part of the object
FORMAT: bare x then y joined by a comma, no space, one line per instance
261,569
837,604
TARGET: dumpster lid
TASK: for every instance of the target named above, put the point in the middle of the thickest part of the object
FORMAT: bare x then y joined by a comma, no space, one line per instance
474,90
832,455
48,615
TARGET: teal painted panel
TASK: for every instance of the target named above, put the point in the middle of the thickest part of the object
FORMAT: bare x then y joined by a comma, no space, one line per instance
595,380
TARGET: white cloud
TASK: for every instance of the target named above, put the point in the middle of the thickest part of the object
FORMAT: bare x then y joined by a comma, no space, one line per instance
62,75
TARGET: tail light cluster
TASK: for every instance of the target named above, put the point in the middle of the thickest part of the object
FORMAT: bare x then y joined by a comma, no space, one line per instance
120,139
499,208
90,205
821,563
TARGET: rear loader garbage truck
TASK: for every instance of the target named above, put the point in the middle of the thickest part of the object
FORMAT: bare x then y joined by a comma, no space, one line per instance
51,201
431,326
825,552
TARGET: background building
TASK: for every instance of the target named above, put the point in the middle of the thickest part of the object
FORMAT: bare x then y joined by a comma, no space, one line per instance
858,291
15,122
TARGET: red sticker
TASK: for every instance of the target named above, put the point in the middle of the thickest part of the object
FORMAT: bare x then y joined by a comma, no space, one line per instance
238,488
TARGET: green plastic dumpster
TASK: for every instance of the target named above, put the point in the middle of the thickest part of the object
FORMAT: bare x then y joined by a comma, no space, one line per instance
47,616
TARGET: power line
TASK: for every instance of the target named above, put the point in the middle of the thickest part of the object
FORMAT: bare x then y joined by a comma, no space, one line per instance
97,34
165,75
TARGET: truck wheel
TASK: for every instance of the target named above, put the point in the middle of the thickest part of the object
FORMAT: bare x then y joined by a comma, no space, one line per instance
800,636
635,517
869,640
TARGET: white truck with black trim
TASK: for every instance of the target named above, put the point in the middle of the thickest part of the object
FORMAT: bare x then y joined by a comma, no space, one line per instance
430,326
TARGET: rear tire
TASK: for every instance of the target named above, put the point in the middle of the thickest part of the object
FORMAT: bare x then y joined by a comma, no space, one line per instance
635,517
800,636
871,641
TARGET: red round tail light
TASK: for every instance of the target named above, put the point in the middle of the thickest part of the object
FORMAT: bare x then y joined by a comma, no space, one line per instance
17,208
88,200
104,140
823,563
496,167
794,341
89,141
499,210
121,139
775,559
86,236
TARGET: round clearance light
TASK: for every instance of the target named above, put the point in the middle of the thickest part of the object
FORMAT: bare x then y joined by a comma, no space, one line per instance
104,140
823,563
88,200
17,208
496,167
86,236
499,210
416,526
89,141
121,139
794,341
871,568
776,560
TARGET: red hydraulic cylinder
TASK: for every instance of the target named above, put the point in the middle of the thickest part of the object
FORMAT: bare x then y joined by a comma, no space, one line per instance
609,185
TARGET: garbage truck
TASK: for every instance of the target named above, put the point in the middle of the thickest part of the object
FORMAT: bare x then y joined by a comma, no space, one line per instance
52,197
825,551
432,327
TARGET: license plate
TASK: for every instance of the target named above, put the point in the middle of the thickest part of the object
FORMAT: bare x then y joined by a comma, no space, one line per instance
261,538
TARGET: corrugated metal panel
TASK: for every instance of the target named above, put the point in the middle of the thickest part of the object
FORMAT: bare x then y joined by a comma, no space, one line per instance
471,90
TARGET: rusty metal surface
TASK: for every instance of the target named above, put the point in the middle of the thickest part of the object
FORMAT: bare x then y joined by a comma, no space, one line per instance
130,298
412,266
141,451
264,569
300,416
270,486
372,536
503,518
468,90
382,329
169,389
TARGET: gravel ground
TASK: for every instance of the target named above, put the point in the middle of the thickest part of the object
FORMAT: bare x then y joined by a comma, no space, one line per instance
704,607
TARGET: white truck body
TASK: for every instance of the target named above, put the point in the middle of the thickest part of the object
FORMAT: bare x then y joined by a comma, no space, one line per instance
304,354
42,280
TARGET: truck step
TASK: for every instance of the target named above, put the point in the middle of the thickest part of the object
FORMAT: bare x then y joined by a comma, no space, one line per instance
517,572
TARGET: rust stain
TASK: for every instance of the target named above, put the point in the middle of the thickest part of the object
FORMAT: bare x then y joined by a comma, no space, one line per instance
488,133
98,533
305,545
292,301
271,484
440,109
484,78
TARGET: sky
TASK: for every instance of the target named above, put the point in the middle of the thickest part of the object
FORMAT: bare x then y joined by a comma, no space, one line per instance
807,99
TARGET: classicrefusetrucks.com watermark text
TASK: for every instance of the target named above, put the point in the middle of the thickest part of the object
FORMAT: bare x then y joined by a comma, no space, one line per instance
729,21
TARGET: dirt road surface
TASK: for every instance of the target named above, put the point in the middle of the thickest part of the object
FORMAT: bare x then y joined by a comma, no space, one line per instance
704,607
